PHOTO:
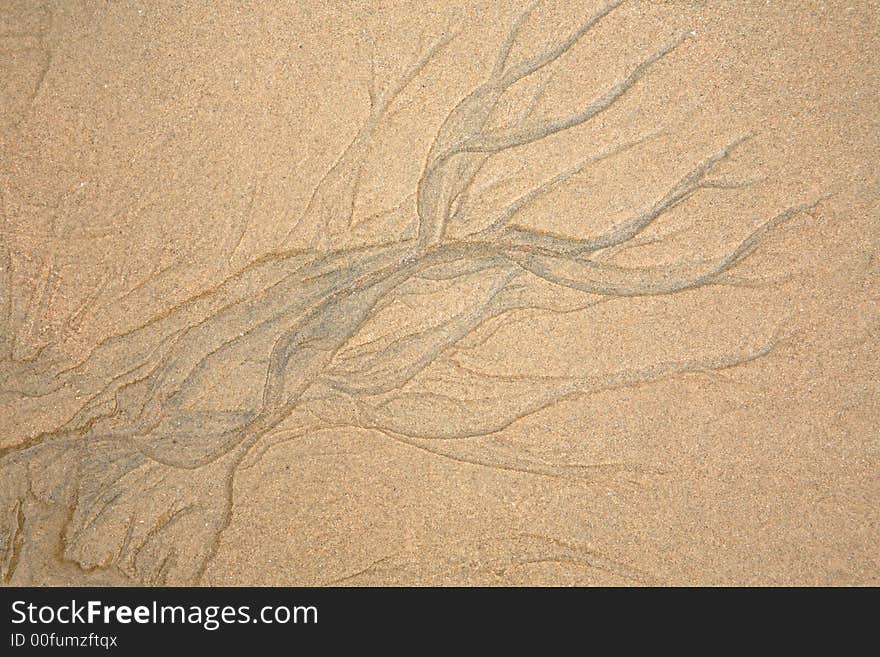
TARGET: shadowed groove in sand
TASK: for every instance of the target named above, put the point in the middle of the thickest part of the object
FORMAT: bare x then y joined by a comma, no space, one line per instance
149,475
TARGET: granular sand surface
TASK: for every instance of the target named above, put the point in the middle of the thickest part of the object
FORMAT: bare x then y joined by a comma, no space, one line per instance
454,293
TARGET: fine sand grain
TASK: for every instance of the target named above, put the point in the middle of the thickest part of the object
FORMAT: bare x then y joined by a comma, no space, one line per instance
481,293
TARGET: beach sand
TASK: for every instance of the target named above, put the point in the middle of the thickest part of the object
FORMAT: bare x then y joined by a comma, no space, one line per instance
395,294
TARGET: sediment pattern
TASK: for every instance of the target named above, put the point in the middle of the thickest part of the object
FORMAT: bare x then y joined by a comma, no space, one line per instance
330,334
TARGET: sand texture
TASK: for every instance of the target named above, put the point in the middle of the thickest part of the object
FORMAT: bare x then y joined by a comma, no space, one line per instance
411,293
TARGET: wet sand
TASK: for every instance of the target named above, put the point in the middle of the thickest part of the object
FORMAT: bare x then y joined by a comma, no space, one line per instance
375,293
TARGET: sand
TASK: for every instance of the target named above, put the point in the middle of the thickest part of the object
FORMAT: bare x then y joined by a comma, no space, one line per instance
439,293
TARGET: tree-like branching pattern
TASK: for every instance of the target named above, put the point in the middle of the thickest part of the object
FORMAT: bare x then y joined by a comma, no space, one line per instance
146,466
